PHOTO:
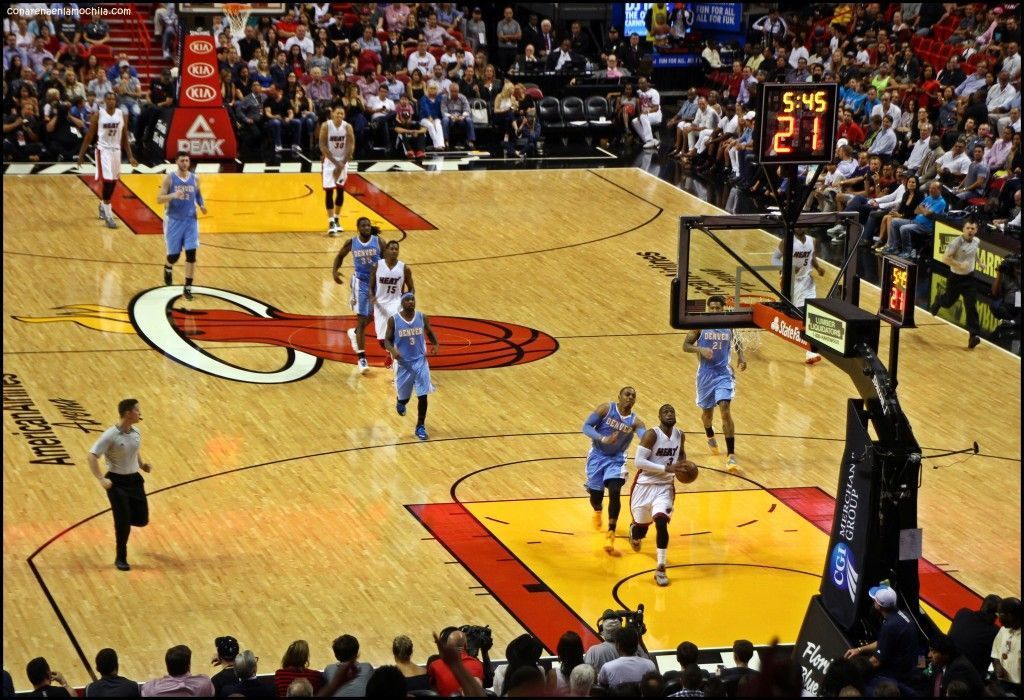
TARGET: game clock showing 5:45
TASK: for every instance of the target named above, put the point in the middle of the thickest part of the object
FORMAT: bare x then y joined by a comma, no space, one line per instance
797,123
899,285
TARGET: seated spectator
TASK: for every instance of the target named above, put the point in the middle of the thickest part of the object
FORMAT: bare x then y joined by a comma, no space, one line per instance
489,86
570,655
901,242
23,135
528,62
279,117
693,680
249,685
441,79
948,666
973,632
455,116
63,131
581,681
421,59
415,675
355,111
368,41
1006,646
41,678
417,86
525,682
280,70
300,688
227,651
434,33
411,136
628,667
440,673
998,156
429,110
304,112
96,32
953,166
346,651
884,142
742,653
248,115
563,58
612,69
976,179
295,665
973,82
386,682
179,680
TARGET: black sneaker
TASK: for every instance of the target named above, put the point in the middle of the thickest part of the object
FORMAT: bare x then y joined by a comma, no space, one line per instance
973,342
167,277
122,565
187,293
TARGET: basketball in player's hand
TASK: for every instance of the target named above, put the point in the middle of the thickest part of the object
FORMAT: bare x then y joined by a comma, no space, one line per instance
686,472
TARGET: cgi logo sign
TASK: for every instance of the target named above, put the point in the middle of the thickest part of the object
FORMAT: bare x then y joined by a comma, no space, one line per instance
841,570
201,93
200,70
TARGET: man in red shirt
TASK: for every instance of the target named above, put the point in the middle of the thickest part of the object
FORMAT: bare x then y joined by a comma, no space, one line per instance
440,675
850,130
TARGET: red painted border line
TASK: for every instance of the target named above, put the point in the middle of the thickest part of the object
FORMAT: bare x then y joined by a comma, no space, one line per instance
543,613
128,207
938,589
384,204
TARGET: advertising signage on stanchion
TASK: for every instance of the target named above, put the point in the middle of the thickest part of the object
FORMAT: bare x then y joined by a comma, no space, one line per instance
201,124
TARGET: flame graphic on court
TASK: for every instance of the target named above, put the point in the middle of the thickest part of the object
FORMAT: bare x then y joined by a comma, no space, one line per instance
466,343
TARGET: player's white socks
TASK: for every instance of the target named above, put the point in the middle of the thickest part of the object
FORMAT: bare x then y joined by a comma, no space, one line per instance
662,557
108,210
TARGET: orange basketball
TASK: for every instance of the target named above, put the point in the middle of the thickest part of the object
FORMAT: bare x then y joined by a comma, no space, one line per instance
686,472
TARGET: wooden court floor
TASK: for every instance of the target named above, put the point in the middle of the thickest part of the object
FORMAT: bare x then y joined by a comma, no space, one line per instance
307,509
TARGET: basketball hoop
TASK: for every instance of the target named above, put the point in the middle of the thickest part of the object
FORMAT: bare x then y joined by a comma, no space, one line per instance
238,15
747,338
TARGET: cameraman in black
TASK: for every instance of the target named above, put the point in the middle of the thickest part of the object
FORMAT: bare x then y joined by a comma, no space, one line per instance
478,639
1006,292
62,142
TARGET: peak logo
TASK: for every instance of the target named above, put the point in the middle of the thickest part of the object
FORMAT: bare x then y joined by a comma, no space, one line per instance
466,343
201,140
841,571
201,93
200,70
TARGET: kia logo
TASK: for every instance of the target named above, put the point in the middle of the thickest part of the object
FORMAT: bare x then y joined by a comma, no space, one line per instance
200,70
201,93
202,46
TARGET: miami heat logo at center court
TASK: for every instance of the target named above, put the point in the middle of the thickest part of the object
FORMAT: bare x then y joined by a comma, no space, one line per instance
466,343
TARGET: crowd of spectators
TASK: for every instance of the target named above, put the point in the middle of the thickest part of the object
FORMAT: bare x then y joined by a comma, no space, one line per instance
618,666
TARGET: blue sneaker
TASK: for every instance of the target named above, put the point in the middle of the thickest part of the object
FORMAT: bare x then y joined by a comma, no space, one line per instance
421,432
400,408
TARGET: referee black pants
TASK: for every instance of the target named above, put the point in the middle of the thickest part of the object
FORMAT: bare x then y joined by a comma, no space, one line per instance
962,285
128,504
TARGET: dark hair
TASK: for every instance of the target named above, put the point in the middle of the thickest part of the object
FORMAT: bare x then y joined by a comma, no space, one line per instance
990,606
692,677
524,650
652,685
570,653
386,682
401,647
743,650
106,662
686,653
179,154
887,689
37,670
126,405
627,640
716,298
524,675
943,644
346,648
972,221
958,689
178,660
1011,607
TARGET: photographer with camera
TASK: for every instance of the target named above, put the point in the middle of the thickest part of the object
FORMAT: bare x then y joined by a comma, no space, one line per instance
479,641
610,623
1006,292
59,124
442,671
629,667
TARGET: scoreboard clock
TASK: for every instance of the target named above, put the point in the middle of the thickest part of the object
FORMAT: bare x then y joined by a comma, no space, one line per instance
797,123
899,287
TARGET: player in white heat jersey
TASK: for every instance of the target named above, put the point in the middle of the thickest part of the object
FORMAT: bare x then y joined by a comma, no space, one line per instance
654,491
804,262
107,124
337,143
391,279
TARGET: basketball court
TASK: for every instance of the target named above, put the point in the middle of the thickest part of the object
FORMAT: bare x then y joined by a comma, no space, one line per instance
289,501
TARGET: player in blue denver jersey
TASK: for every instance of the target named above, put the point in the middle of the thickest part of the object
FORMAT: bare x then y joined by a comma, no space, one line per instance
405,338
716,382
611,427
366,250
180,192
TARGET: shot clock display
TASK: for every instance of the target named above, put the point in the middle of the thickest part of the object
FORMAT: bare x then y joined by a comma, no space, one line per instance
899,286
797,123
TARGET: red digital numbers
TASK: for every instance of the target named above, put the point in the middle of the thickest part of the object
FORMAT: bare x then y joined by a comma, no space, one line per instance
783,134
898,300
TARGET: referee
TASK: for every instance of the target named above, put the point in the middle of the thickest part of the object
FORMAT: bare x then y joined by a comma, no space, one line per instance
962,255
125,487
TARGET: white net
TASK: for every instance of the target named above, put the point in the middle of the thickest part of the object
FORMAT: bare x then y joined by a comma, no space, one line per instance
238,15
748,338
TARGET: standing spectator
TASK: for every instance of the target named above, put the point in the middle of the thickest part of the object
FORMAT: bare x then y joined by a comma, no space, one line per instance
110,685
509,34
62,130
165,26
961,255
41,678
179,680
633,53
628,667
771,27
1006,647
346,651
973,632
476,31
580,41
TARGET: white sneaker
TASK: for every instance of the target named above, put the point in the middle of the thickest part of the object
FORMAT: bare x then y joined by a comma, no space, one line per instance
352,338
364,366
99,210
836,230
660,577
333,231
110,222
650,145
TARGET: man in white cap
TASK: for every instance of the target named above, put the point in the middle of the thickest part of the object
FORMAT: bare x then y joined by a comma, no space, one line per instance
894,655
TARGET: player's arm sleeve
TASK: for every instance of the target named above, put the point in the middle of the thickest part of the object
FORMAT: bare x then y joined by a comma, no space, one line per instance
590,426
643,461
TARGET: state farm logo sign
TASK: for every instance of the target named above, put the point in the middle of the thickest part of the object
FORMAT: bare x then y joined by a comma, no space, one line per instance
201,46
200,70
201,93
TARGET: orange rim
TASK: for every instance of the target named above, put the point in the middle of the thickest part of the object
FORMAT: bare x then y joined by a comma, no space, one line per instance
236,8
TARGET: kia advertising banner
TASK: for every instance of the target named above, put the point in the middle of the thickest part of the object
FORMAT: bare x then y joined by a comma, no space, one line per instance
848,571
201,124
